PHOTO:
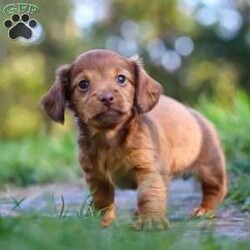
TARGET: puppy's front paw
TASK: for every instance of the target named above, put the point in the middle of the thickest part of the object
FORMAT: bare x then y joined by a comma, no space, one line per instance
108,217
151,224
203,212
107,221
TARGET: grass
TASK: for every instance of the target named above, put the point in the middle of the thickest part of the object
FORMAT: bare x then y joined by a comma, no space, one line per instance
58,229
239,191
39,159
37,232
233,124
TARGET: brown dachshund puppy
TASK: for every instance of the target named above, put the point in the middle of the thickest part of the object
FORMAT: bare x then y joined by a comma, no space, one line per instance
131,136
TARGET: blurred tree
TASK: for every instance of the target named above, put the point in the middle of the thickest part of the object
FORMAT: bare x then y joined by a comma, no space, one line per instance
221,59
28,68
193,48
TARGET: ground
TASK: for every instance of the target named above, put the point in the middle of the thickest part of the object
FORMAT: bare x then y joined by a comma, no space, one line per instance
70,199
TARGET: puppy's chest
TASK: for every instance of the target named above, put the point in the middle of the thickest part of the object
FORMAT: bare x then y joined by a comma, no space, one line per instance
114,165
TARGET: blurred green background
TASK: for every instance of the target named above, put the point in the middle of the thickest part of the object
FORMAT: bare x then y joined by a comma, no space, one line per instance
198,49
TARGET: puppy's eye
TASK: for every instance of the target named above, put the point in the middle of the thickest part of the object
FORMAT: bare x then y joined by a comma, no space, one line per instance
121,79
83,85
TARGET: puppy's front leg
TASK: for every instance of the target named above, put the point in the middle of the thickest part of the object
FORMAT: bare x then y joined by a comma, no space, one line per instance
103,198
152,200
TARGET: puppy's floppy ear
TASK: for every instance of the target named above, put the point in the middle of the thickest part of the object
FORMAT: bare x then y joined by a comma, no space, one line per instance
54,102
147,91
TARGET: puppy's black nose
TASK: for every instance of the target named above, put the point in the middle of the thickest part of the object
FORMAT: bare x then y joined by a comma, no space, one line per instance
106,99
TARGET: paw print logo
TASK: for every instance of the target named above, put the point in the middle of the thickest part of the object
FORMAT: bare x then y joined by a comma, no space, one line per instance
20,26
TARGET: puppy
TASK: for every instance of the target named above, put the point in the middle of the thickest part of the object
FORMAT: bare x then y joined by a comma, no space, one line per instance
133,137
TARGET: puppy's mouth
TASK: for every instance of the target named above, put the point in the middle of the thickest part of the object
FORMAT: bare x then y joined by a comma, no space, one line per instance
110,113
108,118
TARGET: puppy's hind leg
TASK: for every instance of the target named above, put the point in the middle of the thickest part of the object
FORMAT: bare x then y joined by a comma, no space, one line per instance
214,190
211,170
212,175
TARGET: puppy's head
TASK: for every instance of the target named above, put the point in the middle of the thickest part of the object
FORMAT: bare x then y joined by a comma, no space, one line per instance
102,88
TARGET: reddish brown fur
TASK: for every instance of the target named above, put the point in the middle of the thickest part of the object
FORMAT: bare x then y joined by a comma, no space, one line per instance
139,141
